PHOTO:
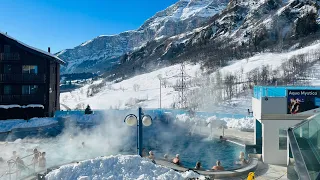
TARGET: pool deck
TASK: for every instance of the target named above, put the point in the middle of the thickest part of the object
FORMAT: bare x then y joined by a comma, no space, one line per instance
263,171
266,172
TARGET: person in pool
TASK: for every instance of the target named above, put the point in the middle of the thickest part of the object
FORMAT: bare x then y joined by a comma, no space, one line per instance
166,157
144,154
176,160
151,156
198,166
242,160
218,166
42,160
222,138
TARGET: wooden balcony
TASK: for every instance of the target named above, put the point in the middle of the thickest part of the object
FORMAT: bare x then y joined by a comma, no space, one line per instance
22,78
21,99
9,56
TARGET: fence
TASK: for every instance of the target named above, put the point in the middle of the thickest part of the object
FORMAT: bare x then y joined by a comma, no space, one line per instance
17,169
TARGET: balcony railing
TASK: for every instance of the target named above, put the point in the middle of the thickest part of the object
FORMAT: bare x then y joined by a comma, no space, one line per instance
20,78
21,99
9,56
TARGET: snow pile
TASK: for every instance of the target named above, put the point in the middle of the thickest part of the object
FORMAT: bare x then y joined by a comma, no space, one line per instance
214,122
117,167
183,118
244,124
9,125
241,124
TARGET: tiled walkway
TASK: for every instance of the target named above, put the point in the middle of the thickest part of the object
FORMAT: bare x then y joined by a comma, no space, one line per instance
267,172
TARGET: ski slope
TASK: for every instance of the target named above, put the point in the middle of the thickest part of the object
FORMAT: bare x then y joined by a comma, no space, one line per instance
123,95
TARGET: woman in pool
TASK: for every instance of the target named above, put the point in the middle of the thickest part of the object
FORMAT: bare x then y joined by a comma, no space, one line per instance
242,160
42,160
176,160
35,158
198,166
218,166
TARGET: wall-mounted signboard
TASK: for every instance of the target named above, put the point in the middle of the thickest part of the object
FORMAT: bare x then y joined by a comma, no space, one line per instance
302,100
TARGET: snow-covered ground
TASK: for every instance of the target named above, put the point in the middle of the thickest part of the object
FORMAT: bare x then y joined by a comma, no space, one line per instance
8,125
144,90
117,167
233,123
123,94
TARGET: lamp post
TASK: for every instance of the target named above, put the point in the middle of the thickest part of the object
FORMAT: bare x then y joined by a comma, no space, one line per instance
141,120
160,79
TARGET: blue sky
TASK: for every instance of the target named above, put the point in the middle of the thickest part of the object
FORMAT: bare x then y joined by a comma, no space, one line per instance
63,24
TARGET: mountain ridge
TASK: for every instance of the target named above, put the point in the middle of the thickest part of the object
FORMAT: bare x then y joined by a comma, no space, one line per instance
178,18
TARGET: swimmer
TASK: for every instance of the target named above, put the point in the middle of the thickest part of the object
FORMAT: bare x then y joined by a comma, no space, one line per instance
222,138
35,157
198,166
218,166
176,160
151,156
42,160
166,157
144,154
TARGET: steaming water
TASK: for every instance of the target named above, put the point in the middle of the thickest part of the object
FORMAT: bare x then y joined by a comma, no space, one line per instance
114,137
195,148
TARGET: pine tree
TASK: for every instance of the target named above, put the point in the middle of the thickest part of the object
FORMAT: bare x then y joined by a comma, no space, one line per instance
88,110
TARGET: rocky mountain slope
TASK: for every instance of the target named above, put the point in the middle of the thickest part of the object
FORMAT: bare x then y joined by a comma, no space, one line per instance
242,29
103,52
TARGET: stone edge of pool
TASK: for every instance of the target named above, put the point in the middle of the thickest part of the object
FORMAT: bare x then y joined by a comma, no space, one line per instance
253,164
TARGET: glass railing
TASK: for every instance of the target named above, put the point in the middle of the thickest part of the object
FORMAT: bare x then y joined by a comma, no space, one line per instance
277,91
305,144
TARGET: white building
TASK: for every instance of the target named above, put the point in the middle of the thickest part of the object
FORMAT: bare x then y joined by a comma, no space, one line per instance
276,109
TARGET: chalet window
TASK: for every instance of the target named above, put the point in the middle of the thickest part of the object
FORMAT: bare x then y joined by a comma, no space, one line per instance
30,69
7,89
7,68
29,89
6,49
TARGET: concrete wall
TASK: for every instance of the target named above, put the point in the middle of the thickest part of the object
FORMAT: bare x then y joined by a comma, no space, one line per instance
270,145
256,108
274,105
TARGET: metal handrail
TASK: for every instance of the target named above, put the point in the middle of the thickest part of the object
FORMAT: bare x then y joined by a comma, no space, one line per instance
14,164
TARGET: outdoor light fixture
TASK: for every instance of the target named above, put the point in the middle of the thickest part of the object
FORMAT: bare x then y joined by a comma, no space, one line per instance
131,120
147,120
140,121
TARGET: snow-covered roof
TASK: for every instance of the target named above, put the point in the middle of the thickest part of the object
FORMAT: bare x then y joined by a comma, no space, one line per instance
35,49
18,106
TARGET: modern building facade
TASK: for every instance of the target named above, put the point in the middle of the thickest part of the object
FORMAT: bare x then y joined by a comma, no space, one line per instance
276,109
29,80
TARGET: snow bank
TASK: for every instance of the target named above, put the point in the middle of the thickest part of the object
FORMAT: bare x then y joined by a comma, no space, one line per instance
234,123
241,124
183,118
117,167
8,125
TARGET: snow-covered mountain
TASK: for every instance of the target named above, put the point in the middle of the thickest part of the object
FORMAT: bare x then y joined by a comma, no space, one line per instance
102,52
242,29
